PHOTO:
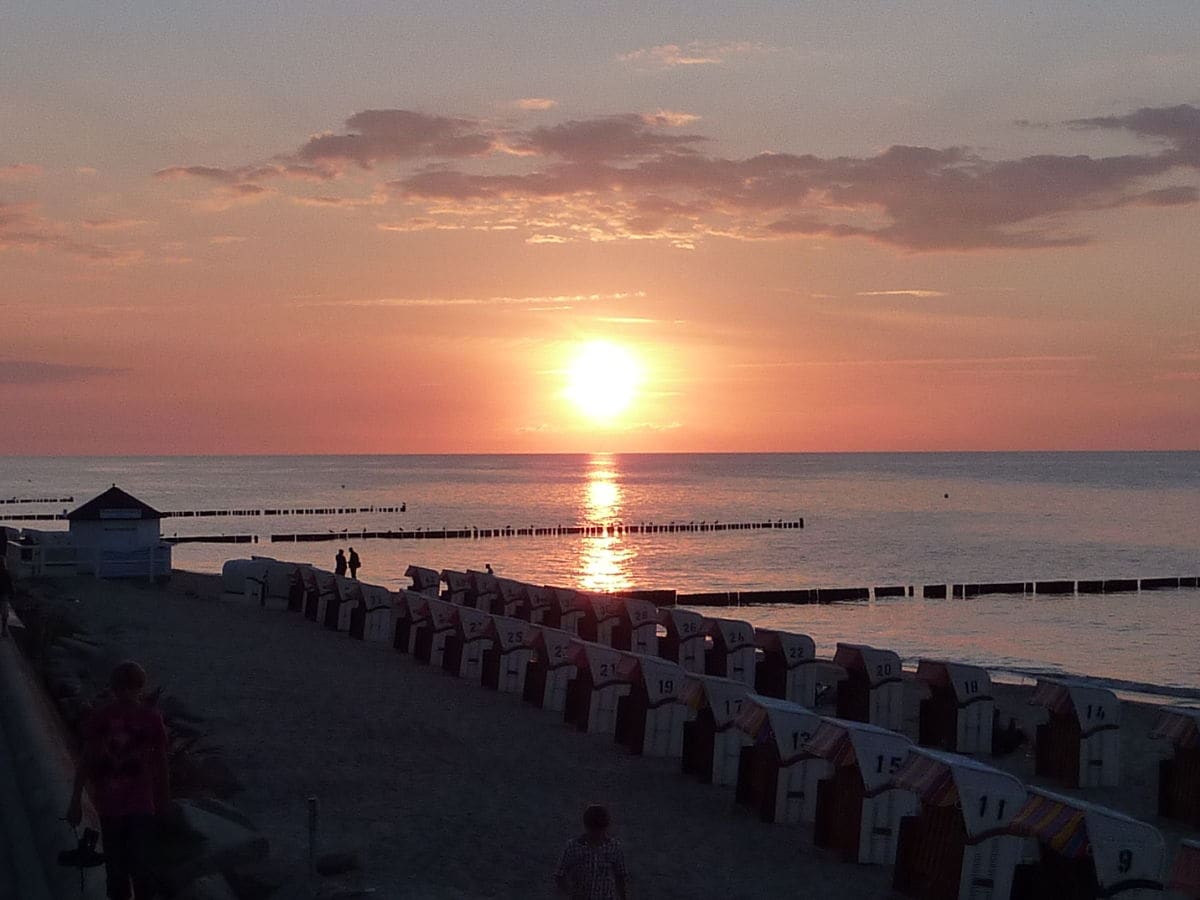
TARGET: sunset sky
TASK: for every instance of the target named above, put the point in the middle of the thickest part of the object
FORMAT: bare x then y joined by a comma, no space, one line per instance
378,227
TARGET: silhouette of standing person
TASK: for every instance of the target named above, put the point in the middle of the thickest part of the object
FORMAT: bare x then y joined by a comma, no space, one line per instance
488,568
339,564
355,564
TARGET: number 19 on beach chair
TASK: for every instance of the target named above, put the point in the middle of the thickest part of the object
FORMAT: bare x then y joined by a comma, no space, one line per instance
858,807
873,690
957,846
1080,744
777,776
712,742
506,661
650,717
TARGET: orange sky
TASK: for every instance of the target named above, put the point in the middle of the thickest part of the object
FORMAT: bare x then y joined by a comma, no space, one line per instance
386,233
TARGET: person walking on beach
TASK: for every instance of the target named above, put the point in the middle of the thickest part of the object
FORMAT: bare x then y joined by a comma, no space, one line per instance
339,563
593,865
124,766
355,564
7,593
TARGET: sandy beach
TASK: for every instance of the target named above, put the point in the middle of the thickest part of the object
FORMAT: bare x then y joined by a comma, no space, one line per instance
449,790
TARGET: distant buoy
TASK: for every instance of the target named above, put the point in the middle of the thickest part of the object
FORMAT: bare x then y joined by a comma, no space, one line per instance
946,496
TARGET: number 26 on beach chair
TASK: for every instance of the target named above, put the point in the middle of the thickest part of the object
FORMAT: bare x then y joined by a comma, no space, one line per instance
777,776
873,691
1080,744
684,641
958,845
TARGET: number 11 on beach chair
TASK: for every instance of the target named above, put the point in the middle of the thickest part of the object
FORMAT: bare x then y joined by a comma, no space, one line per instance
550,670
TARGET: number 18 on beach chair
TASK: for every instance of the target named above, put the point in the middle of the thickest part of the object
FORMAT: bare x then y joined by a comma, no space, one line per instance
957,715
957,846
1080,744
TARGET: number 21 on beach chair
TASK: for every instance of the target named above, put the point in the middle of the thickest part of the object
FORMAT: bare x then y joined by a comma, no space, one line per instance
777,776
712,742
957,715
732,654
551,668
506,661
858,807
958,845
598,684
1179,777
684,641
873,690
788,668
1085,851
650,717
1080,744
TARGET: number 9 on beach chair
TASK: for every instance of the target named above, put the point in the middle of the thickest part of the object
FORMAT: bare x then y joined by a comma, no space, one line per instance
506,661
1179,777
957,846
858,807
873,691
467,644
777,776
957,715
788,669
1080,744
685,638
732,654
1086,851
712,742
593,693
550,670
650,717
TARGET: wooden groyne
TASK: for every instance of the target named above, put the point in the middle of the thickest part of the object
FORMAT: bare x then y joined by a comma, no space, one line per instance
965,591
613,530
218,513
12,500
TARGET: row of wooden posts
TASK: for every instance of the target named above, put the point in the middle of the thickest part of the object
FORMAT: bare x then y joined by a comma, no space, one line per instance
734,705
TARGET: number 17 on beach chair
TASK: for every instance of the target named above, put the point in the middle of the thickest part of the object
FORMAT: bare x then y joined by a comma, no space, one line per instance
712,742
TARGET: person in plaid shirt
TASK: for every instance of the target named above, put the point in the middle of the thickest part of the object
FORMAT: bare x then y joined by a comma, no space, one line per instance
592,865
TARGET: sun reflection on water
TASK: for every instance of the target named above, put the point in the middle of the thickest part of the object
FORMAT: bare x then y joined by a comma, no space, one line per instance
604,562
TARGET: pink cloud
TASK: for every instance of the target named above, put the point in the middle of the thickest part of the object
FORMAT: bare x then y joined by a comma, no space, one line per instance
535,103
388,135
19,171
693,53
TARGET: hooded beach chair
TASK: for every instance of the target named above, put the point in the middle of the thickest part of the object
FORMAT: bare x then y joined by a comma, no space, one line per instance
1085,851
873,691
1080,744
506,661
371,617
432,634
957,715
338,609
484,591
513,598
957,846
777,776
788,668
424,581
407,606
539,601
685,638
458,586
466,645
712,742
732,654
598,685
1185,873
650,717
234,576
1179,776
551,668
859,808
568,610
327,597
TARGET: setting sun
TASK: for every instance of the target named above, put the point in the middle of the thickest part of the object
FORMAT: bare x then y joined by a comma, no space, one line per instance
602,380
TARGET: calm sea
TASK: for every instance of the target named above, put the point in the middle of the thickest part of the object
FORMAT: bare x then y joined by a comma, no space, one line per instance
872,519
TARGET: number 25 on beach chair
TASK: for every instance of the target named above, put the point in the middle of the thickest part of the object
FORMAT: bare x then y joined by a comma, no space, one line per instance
873,691
506,661
858,807
1080,744
958,845
777,776
712,742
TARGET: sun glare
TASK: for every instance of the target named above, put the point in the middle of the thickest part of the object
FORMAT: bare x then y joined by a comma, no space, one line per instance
602,380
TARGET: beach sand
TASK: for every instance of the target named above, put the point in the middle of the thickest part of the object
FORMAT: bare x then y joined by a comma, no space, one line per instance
451,790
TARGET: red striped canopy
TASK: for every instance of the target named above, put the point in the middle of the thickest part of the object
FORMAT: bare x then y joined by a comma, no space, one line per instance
929,778
1179,724
832,743
1054,823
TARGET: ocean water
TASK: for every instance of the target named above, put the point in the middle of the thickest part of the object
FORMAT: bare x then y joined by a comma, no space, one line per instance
871,519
